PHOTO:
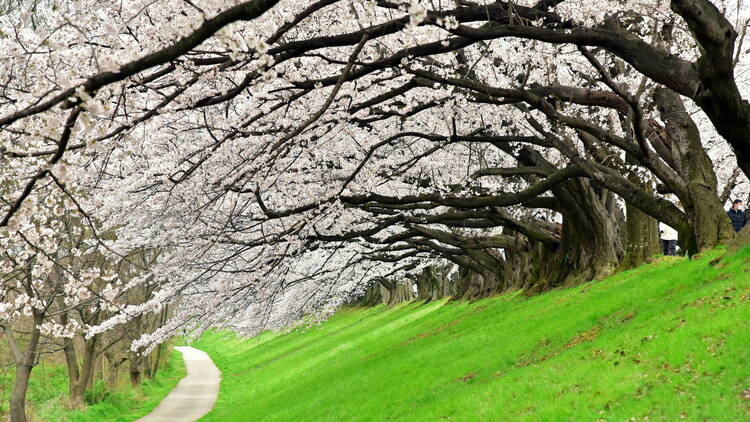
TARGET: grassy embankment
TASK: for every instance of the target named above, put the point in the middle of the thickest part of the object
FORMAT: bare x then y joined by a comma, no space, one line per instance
667,341
47,397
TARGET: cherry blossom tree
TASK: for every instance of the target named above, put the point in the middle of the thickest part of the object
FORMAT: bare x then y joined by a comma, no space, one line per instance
42,283
285,155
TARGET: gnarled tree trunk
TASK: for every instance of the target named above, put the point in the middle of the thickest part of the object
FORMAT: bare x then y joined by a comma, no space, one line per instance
641,240
434,283
473,286
484,278
700,196
590,239
591,236
389,292
641,235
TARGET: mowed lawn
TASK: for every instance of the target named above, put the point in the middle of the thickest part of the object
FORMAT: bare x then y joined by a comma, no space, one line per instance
668,341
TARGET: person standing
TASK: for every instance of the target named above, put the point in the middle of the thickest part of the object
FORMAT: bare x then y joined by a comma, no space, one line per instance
668,239
737,215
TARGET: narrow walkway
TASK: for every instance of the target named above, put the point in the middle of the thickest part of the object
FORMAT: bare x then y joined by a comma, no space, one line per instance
194,395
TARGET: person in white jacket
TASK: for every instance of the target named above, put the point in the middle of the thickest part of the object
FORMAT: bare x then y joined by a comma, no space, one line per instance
668,239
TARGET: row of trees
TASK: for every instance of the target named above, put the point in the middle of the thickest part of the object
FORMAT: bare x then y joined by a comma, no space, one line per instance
50,301
284,155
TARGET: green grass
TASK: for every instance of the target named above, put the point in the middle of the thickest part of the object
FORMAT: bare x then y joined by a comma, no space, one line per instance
668,341
47,396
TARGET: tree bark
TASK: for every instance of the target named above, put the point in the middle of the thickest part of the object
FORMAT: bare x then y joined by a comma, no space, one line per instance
590,237
113,369
20,387
718,94
400,291
373,295
642,238
146,363
25,362
434,283
71,360
473,286
135,370
80,375
159,349
86,373
641,230
700,199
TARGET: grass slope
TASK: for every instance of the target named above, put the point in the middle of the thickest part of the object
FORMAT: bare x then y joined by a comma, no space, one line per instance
667,341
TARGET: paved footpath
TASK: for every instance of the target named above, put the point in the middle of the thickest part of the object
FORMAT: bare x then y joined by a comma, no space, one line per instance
194,395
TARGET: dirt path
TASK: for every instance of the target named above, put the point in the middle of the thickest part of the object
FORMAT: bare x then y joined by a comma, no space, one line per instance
195,394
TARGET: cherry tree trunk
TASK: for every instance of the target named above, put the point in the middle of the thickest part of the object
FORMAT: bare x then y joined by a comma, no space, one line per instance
389,292
473,286
373,296
699,197
590,241
157,360
159,349
136,363
590,237
520,263
400,291
434,283
113,369
146,366
80,375
25,362
20,387
641,238
641,235
484,278
711,226
71,361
